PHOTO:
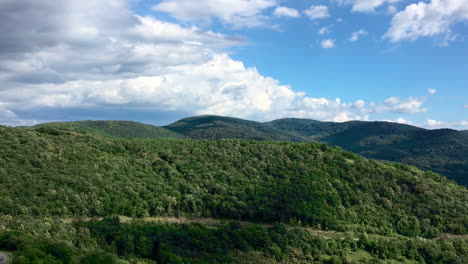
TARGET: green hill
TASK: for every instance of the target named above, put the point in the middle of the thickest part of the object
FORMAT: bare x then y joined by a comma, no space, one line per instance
372,211
121,129
444,151
219,127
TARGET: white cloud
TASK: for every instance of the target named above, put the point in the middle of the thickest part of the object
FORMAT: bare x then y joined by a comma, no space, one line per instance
356,35
315,12
466,106
434,124
325,30
391,9
328,43
396,105
238,13
365,5
432,91
282,11
427,20
401,120
392,100
146,65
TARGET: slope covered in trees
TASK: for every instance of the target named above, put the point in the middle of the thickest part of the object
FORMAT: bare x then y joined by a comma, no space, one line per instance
377,210
216,127
109,241
121,129
442,150
76,174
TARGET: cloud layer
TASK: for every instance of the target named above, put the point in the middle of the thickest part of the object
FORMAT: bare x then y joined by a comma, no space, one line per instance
72,55
238,13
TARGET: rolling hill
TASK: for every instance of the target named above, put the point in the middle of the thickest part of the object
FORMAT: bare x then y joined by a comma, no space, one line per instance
326,201
120,129
443,151
217,127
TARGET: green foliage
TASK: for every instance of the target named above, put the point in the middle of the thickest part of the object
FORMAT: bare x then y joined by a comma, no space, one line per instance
368,212
232,242
443,151
217,127
82,174
120,129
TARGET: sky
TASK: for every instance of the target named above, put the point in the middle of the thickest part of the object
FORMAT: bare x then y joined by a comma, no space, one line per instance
159,61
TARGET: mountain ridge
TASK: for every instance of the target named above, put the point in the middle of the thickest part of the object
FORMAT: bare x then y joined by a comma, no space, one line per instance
54,176
441,150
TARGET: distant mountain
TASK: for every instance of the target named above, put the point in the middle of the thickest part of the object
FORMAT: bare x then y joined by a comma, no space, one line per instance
219,127
121,129
443,150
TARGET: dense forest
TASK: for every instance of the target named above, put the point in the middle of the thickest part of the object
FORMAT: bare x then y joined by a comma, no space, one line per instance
277,202
444,151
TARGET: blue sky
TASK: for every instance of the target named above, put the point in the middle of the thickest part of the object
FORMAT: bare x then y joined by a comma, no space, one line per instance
158,61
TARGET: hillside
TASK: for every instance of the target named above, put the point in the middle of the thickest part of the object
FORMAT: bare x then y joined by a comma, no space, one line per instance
444,151
58,174
217,127
121,129
441,150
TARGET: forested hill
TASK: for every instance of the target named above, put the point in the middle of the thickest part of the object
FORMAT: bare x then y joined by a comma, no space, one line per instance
443,151
313,203
83,174
121,129
217,127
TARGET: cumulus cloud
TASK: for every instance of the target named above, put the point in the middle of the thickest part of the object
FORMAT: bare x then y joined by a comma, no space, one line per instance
365,5
391,9
74,57
401,120
356,35
430,123
317,11
325,30
396,105
432,91
427,20
328,43
282,11
238,13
